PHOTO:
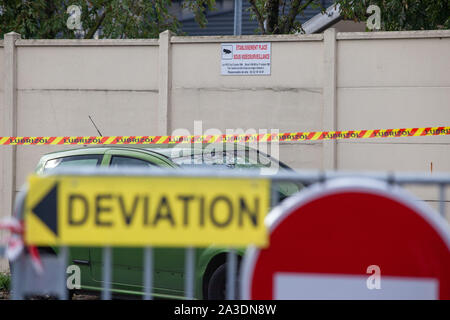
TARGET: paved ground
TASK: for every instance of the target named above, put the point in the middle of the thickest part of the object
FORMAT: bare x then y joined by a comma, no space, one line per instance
85,297
5,296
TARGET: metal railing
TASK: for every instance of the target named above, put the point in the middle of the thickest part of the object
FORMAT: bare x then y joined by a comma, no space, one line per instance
53,281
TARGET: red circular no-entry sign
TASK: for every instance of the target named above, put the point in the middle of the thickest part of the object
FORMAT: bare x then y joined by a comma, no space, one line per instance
351,239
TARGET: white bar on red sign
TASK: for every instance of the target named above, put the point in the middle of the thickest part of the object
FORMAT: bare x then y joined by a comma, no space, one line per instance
302,286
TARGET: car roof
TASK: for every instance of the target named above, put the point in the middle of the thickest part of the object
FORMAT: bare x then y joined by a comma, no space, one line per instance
163,149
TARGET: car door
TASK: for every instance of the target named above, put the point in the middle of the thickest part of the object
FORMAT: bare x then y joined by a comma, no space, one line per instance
128,262
78,255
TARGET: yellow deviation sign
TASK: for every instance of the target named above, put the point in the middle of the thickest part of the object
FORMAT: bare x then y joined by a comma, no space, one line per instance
146,211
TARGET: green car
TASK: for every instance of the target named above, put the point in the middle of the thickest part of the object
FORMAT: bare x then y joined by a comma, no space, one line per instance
168,279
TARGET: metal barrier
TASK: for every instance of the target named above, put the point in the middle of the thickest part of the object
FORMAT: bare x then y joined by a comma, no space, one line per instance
53,281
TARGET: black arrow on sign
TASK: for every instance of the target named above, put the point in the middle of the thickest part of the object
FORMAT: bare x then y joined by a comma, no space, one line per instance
46,210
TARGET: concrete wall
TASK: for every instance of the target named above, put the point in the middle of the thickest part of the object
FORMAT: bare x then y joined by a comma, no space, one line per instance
289,99
386,83
318,82
390,80
81,81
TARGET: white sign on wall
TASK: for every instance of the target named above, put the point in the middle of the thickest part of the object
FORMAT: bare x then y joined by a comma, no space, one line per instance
245,59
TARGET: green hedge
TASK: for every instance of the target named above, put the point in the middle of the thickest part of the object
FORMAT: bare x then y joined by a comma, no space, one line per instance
5,282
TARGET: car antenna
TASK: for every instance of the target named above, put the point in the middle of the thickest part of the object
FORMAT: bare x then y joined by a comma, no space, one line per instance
95,126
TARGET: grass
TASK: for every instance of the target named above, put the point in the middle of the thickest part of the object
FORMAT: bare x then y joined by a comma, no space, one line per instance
5,282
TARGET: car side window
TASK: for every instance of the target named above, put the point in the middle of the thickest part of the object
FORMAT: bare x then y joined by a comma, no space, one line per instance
122,161
89,160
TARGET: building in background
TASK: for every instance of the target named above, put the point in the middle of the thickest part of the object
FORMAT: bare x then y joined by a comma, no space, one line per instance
221,20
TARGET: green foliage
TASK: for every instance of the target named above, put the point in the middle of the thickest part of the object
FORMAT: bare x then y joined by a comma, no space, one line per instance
399,15
47,19
279,16
5,282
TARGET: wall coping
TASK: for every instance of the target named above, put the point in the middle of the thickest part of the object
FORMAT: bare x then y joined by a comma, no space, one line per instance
85,42
422,34
247,38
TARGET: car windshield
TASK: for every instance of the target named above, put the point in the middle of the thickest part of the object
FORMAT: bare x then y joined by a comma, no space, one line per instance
233,159
237,160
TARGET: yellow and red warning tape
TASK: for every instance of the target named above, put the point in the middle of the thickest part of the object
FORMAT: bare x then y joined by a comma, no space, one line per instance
239,138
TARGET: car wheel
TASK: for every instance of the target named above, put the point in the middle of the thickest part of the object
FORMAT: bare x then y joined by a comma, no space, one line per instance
217,285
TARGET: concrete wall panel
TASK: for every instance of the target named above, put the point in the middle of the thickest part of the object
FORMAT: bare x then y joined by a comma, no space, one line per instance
371,108
66,113
285,110
386,156
393,62
88,67
294,65
304,156
1,72
62,113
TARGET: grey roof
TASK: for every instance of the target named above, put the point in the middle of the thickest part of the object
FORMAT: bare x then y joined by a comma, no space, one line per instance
221,22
